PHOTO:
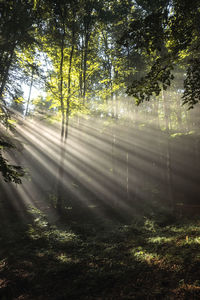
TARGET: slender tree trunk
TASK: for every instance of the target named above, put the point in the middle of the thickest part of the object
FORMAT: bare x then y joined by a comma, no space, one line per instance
127,176
112,96
81,71
128,60
29,95
114,174
69,87
109,69
62,150
65,118
87,36
116,97
61,88
168,155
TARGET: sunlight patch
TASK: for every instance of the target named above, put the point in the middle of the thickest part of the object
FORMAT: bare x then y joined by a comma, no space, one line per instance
161,239
63,258
144,256
63,236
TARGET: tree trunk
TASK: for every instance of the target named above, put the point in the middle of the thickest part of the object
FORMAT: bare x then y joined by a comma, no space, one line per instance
6,72
168,155
4,80
109,69
127,176
61,87
29,95
69,87
65,119
87,36
81,71
62,150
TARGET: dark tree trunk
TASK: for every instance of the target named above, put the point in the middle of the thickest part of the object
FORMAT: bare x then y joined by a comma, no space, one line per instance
168,154
65,118
62,150
6,71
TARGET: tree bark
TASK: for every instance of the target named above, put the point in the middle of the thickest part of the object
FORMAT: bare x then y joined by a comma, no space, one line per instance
62,150
6,72
61,86
168,155
69,85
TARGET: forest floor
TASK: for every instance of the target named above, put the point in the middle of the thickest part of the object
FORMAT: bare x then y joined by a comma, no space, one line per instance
77,257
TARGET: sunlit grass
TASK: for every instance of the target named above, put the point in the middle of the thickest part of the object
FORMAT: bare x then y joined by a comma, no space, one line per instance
161,240
63,258
143,255
101,256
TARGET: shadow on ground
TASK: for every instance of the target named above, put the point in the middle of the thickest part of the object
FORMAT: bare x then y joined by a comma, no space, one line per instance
74,257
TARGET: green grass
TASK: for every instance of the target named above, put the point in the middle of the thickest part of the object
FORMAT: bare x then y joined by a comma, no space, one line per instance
102,259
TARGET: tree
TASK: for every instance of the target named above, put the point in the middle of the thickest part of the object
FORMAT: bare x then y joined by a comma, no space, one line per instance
168,32
10,172
17,29
18,20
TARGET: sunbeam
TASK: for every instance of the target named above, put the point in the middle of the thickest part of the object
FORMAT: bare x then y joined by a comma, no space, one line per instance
111,164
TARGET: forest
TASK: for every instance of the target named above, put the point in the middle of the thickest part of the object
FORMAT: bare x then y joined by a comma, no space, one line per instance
99,149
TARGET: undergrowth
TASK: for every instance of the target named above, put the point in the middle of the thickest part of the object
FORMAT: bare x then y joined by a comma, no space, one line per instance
72,259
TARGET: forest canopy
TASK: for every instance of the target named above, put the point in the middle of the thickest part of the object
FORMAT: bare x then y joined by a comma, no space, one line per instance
168,33
85,53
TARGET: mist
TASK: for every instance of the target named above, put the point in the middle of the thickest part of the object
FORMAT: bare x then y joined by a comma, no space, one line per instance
121,162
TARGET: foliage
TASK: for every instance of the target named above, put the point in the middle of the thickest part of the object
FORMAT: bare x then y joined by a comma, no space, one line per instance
94,65
102,259
191,94
168,35
10,173
17,33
